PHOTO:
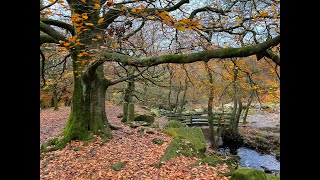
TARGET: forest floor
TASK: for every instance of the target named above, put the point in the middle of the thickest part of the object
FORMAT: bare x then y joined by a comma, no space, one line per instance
92,160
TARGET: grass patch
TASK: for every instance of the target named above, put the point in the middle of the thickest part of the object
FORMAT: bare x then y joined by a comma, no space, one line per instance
158,141
118,166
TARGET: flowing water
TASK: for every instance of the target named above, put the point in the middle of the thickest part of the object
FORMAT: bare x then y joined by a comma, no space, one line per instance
252,159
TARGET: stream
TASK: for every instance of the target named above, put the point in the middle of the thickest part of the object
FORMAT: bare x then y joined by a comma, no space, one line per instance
250,158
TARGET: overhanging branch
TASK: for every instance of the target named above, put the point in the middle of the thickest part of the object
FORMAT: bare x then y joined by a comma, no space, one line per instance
59,24
51,32
193,57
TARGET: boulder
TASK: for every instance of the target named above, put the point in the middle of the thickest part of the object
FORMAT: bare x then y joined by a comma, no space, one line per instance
180,146
194,135
248,174
174,124
145,118
189,142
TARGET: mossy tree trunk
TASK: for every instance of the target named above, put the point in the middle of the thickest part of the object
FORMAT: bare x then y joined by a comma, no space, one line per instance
130,112
128,96
88,114
238,114
177,99
170,88
212,134
233,120
125,111
55,99
246,110
183,101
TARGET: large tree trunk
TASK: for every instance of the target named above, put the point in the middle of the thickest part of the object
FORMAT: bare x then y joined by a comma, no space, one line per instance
88,108
88,114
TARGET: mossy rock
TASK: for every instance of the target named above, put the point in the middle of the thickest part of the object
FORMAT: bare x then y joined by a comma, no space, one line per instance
194,135
135,124
248,174
175,124
272,177
157,141
142,123
145,118
118,166
180,146
232,162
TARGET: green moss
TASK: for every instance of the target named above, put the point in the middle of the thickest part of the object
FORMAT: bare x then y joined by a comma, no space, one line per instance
43,147
194,135
64,132
232,162
157,141
271,177
130,112
53,142
248,174
180,146
174,124
124,115
118,166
